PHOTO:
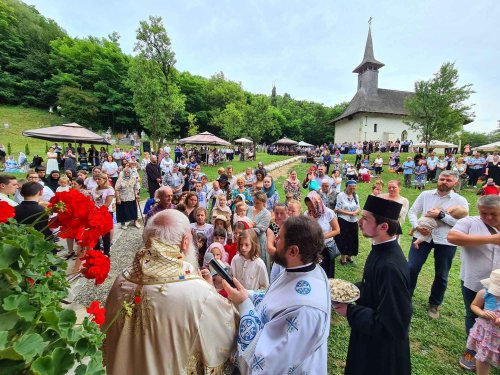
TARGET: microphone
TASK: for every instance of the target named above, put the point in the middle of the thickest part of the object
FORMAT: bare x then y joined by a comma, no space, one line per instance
207,258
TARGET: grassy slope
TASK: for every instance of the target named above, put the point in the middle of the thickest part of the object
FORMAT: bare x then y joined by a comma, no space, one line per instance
435,345
20,119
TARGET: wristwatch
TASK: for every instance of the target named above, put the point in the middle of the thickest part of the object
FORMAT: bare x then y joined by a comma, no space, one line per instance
441,215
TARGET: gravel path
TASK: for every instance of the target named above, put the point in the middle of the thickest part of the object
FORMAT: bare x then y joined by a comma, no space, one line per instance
122,253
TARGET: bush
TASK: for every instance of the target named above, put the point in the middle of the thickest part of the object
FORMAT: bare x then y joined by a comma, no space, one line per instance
27,149
9,149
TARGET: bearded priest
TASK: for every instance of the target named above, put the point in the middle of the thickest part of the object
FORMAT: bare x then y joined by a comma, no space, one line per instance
285,330
162,317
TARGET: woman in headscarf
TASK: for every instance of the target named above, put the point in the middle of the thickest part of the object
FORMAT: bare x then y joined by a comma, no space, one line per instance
126,194
327,220
292,185
53,180
272,195
347,209
261,218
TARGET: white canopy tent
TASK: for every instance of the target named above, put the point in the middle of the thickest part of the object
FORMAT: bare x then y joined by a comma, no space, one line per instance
495,146
243,140
435,144
304,144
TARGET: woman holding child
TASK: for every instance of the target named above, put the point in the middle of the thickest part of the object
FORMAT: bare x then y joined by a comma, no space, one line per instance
261,219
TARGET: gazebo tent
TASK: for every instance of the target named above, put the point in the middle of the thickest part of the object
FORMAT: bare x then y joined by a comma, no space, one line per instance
67,133
495,146
243,140
435,144
304,144
286,142
205,138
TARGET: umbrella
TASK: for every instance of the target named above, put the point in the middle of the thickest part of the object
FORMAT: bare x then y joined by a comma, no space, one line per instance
304,144
204,138
489,147
243,140
67,133
286,141
435,144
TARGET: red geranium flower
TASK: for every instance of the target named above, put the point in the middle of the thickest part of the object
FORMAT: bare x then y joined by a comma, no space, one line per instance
96,266
6,211
72,209
30,281
137,300
98,312
48,274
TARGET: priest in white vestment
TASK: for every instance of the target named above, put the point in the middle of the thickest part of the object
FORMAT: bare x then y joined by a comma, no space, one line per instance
179,324
285,330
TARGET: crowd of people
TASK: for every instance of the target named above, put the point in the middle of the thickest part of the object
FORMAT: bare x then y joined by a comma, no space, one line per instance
280,258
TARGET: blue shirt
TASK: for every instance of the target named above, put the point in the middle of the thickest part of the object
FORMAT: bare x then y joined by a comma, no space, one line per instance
408,167
476,163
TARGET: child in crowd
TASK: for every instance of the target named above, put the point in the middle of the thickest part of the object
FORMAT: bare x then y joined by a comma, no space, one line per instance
378,187
221,221
457,212
231,248
484,336
294,208
364,174
201,225
202,196
288,198
240,214
247,266
201,245
420,172
63,184
214,193
220,235
218,253
490,188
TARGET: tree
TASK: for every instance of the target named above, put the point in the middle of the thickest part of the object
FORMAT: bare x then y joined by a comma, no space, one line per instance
193,128
437,110
156,107
229,121
78,105
260,119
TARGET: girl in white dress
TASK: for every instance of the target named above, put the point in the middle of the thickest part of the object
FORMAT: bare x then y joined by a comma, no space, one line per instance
52,161
247,266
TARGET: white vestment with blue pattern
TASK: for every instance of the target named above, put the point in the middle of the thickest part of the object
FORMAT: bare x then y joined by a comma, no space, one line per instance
285,330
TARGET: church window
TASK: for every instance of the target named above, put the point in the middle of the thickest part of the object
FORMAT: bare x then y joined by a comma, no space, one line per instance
404,135
375,128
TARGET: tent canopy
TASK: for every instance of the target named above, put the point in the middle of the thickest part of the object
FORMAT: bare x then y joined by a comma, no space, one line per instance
286,142
67,133
304,144
205,138
243,140
495,146
435,144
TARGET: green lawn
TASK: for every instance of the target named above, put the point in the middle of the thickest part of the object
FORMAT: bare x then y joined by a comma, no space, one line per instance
435,345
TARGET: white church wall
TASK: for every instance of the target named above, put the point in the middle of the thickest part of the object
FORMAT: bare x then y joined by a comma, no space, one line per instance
362,128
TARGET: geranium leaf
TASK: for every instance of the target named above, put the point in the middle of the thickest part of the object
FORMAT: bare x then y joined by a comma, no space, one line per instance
59,362
94,367
3,339
81,370
67,318
10,353
82,346
13,301
51,317
27,312
29,346
8,255
8,320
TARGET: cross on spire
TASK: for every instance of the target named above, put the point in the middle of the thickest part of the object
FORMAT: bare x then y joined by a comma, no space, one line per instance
370,21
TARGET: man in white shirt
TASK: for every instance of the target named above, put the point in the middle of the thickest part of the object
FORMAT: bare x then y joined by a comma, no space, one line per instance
432,161
434,203
166,164
285,330
479,237
8,186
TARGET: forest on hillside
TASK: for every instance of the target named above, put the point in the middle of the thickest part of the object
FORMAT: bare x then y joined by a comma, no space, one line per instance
93,82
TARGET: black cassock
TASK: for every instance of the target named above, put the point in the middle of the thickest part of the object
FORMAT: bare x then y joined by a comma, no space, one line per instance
380,321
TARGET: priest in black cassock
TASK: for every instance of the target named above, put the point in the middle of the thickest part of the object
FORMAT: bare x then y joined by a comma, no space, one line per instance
380,319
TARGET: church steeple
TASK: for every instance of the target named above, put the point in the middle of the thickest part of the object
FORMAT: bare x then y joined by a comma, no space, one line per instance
368,69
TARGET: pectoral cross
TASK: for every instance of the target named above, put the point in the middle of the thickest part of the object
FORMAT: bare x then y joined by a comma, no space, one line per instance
370,21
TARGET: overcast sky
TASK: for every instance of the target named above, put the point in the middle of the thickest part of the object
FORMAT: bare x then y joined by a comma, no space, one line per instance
309,48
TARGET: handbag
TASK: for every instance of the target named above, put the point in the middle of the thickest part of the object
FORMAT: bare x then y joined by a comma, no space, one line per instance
331,250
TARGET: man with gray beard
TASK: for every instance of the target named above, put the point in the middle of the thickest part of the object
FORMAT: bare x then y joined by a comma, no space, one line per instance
162,317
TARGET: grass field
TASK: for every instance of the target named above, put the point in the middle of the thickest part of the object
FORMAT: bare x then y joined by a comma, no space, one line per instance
435,344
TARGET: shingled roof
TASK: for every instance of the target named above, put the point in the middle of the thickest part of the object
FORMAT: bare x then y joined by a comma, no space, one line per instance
386,102
368,57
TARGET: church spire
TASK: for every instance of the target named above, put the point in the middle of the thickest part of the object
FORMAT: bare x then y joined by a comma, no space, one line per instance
369,57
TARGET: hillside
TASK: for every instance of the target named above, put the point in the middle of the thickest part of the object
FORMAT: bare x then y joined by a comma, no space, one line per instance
20,119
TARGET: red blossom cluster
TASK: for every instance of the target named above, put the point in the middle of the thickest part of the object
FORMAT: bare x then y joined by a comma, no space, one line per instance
6,211
96,266
98,312
79,218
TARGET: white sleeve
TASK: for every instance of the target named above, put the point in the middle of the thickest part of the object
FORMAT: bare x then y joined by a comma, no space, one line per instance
263,278
415,210
265,347
463,225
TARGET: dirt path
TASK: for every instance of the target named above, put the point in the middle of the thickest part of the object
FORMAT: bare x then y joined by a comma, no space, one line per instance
283,171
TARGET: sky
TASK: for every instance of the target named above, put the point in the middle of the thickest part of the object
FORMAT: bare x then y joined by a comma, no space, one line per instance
309,48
